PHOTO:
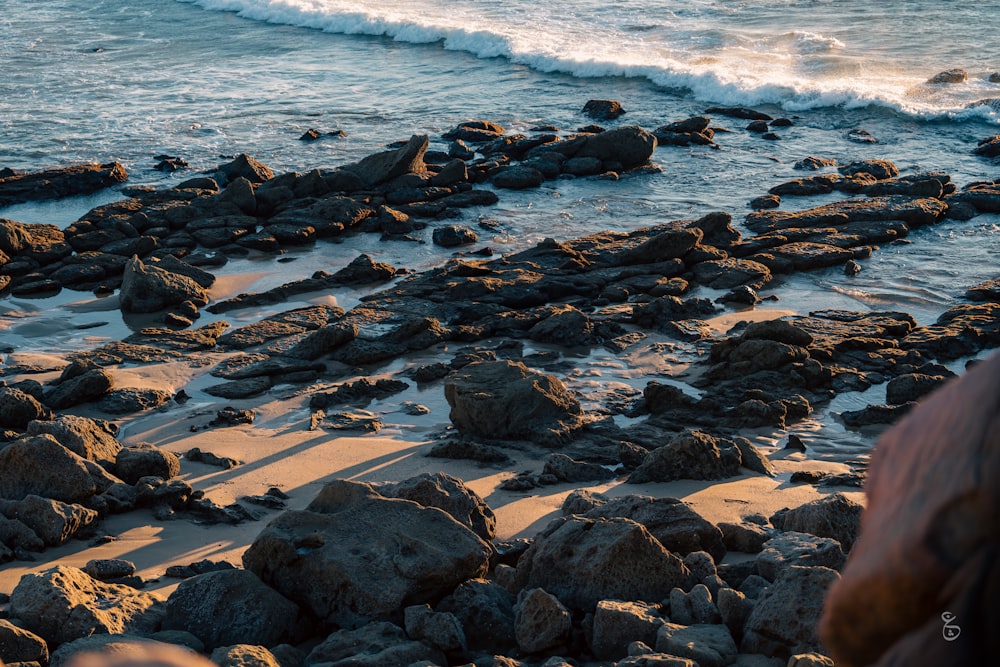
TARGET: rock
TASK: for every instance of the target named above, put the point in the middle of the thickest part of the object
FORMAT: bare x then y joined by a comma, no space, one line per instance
835,516
928,536
798,549
875,414
772,630
617,624
451,236
104,569
518,177
911,387
734,609
323,341
450,494
861,136
18,409
244,166
609,559
810,660
708,645
630,146
53,521
603,109
375,645
565,469
989,147
129,400
475,131
879,169
671,521
20,645
582,501
565,326
86,437
387,165
651,659
669,244
230,607
146,288
752,458
956,75
765,202
717,229
744,113
540,622
437,628
815,163
41,466
57,183
244,655
90,386
144,460
695,607
353,556
64,603
743,537
486,613
690,455
506,400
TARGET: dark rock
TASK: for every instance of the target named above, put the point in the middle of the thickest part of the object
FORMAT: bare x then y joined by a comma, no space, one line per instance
541,621
471,451
765,202
486,613
449,494
603,109
566,469
815,163
387,165
911,387
104,569
772,630
707,645
18,409
18,645
52,521
230,607
835,516
880,169
506,400
743,537
690,455
956,75
41,466
63,603
440,629
451,236
57,183
617,624
144,460
374,644
129,400
354,556
790,549
518,177
875,415
148,288
475,131
609,559
739,112
246,167
89,386
630,146
860,136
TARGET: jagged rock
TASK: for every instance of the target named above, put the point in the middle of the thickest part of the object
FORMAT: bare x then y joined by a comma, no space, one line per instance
695,607
129,400
144,460
244,655
790,549
440,629
604,558
373,645
230,607
743,537
956,75
690,455
147,288
671,521
450,494
109,568
451,236
565,326
64,603
19,645
18,409
506,400
540,622
40,466
617,624
734,609
582,501
53,521
911,387
486,613
739,112
86,437
707,645
603,109
90,386
353,555
835,516
772,629
387,165
518,177
565,469
630,146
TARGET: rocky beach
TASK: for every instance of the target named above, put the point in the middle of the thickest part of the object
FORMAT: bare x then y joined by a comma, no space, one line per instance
585,451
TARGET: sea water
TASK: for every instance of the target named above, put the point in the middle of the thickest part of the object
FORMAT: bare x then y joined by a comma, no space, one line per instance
205,80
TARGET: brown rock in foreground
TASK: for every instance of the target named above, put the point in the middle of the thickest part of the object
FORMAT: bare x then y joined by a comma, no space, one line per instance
927,556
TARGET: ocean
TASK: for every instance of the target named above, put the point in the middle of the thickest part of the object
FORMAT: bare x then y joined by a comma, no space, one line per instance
205,80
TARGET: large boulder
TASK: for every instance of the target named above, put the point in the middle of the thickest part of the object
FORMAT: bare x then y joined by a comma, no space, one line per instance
790,549
375,645
88,386
835,516
486,612
145,460
20,645
785,616
506,400
353,555
582,561
65,603
60,182
450,494
41,466
617,624
52,521
541,622
83,436
230,607
146,288
671,521
630,146
929,535
690,455
18,409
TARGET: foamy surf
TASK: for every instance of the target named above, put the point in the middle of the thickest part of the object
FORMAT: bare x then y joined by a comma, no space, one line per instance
706,51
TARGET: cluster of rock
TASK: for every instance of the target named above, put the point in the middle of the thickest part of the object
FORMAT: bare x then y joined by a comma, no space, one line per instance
61,474
410,572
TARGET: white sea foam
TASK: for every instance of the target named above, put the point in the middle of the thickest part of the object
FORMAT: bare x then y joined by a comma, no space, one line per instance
705,50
